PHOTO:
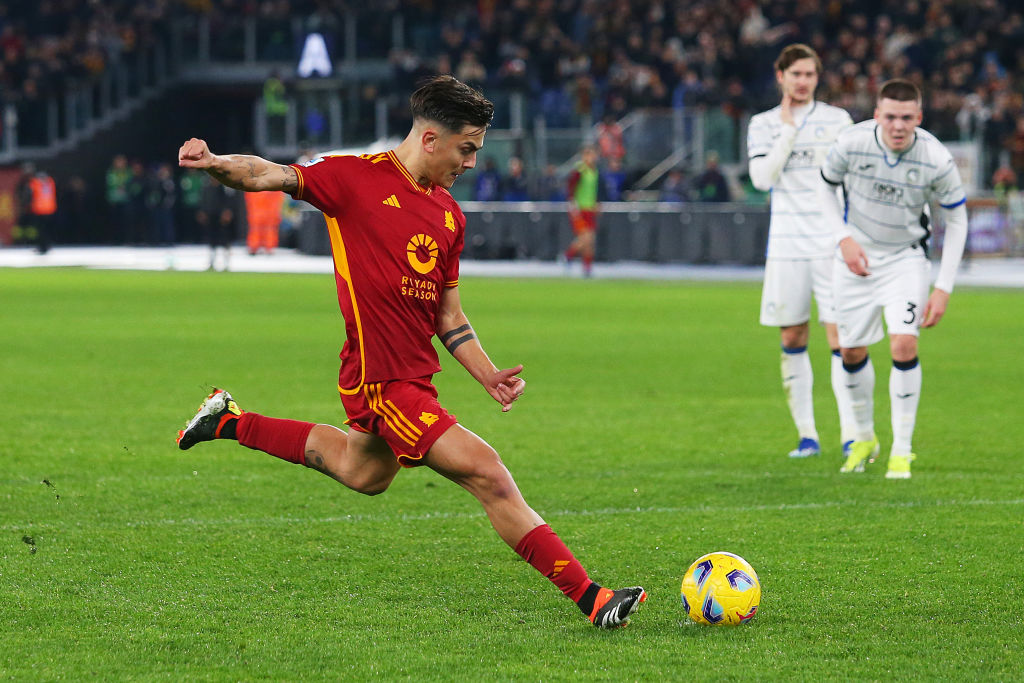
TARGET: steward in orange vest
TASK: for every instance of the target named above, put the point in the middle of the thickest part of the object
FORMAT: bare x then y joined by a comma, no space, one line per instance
38,205
44,195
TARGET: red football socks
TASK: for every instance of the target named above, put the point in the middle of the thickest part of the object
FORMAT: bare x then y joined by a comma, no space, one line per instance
546,553
285,439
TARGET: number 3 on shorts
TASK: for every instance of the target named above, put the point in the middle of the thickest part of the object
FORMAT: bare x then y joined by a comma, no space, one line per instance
911,306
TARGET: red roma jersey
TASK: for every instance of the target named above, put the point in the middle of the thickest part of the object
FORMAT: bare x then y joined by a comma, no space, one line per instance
396,247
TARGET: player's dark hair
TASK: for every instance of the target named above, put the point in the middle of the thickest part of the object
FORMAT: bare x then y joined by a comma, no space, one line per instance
794,52
900,90
450,102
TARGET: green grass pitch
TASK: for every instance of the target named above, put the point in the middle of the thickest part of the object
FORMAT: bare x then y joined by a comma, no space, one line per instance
653,430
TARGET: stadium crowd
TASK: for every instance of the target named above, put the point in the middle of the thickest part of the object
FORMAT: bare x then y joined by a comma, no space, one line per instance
596,59
49,45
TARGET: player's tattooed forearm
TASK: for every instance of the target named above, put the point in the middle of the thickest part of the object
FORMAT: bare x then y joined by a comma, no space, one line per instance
291,180
244,172
453,339
223,176
236,173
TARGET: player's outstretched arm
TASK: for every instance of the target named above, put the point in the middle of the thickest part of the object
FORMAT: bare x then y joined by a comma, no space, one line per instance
240,171
456,334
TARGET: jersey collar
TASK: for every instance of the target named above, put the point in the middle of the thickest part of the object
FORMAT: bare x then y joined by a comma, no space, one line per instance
886,150
408,176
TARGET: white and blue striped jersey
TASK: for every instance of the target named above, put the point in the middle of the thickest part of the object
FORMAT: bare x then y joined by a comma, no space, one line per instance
797,230
887,192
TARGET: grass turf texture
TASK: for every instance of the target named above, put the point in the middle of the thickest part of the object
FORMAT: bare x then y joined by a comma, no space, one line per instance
653,430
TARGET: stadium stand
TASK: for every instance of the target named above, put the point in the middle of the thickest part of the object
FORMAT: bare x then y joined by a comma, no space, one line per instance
694,70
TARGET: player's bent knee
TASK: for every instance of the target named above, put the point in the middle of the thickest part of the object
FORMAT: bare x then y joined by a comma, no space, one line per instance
370,480
490,481
854,355
903,347
370,486
375,489
500,484
795,336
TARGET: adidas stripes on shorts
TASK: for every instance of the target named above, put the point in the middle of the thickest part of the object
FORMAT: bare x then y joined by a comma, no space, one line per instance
405,413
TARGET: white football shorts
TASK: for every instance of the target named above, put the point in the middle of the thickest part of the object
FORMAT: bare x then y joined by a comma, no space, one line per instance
896,290
788,286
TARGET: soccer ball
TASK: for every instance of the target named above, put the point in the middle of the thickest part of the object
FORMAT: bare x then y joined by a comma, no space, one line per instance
720,589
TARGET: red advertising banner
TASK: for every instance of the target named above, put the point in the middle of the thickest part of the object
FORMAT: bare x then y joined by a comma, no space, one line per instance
9,178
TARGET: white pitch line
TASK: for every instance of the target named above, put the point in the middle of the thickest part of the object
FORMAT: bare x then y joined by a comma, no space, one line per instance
430,516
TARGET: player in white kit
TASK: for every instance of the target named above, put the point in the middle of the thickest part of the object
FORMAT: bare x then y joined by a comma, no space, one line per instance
890,170
786,146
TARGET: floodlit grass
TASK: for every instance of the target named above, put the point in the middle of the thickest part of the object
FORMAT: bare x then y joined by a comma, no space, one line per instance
653,430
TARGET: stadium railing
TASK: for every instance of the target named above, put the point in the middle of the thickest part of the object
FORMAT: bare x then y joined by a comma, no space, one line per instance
653,232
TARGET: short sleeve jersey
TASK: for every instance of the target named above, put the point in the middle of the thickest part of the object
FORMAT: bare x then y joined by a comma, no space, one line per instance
396,246
886,191
796,230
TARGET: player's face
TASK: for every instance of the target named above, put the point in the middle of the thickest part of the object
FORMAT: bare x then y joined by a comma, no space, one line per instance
897,120
454,154
799,80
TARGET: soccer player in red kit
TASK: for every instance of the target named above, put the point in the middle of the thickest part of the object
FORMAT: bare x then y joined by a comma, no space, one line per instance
396,236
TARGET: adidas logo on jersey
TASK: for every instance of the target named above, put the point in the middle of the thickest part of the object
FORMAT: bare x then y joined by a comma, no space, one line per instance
392,201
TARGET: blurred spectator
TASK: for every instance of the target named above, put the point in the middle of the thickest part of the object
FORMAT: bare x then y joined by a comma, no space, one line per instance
972,117
689,91
514,186
363,126
161,196
275,101
32,115
291,218
613,181
610,140
190,196
138,216
711,185
1015,145
78,224
218,216
118,178
1011,201
1004,182
549,187
470,70
275,104
674,188
315,122
487,187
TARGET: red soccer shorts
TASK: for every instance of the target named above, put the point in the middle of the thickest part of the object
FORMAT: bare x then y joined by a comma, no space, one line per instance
405,413
583,221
